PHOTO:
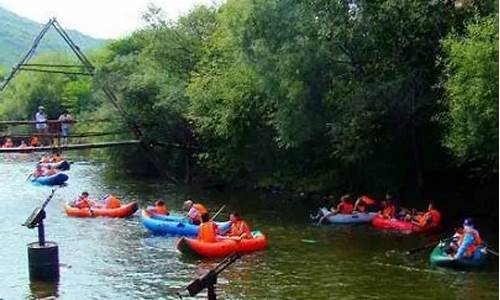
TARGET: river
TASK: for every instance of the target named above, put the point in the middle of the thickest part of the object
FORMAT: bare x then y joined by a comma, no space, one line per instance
118,259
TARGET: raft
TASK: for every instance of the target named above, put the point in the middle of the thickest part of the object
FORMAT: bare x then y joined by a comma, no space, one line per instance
440,259
56,179
175,225
62,165
222,248
398,225
354,218
123,211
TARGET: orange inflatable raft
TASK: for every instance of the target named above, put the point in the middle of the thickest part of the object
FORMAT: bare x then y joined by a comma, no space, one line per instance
125,210
222,248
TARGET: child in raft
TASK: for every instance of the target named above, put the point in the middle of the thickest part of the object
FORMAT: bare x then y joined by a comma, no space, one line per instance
38,172
239,228
50,171
159,209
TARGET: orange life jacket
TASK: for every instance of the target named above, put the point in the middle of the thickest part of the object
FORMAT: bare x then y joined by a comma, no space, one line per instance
240,228
200,208
207,232
161,210
389,211
34,141
434,215
478,241
113,202
82,203
345,208
367,200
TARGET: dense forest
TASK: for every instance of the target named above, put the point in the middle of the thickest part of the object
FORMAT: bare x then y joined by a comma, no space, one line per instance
313,95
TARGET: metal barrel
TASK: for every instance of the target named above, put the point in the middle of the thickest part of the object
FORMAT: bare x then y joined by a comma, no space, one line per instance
43,261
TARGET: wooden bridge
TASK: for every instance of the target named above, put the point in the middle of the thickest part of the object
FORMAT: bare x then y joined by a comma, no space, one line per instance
87,69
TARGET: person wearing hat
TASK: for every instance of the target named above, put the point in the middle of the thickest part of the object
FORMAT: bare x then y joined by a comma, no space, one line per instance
469,241
195,211
41,118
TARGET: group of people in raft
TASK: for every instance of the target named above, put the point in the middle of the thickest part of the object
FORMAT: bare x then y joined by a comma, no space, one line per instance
196,213
463,244
387,209
43,167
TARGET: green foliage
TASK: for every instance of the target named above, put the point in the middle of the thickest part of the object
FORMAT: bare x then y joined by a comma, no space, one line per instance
471,85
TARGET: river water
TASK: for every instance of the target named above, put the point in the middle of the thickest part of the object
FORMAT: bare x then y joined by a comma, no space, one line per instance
118,259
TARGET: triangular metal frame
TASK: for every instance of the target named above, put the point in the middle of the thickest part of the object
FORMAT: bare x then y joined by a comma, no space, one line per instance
85,69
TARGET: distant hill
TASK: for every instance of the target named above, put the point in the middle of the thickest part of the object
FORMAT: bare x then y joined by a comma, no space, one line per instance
17,34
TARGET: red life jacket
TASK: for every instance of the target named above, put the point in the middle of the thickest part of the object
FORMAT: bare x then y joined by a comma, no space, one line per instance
345,208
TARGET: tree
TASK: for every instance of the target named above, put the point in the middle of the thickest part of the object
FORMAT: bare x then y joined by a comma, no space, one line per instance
470,79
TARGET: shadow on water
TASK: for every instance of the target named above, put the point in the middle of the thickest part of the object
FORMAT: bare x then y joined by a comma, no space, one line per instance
43,290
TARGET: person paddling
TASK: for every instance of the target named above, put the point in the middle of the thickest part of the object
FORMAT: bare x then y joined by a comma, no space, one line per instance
239,228
389,209
195,211
84,201
431,217
469,242
208,229
344,207
364,204
38,171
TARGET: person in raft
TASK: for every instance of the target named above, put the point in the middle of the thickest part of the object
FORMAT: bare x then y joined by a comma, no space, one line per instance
160,208
388,208
208,229
195,211
431,216
56,158
364,204
345,207
239,228
452,247
38,171
469,241
50,171
84,201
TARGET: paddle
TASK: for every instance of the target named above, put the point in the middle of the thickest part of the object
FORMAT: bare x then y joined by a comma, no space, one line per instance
425,247
218,212
492,252
29,176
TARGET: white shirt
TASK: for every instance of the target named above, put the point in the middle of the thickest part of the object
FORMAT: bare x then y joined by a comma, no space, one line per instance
40,117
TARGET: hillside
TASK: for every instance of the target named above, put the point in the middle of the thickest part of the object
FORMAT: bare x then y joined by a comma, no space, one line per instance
17,34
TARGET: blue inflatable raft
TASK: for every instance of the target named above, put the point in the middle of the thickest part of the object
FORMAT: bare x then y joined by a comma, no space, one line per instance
56,179
175,225
354,218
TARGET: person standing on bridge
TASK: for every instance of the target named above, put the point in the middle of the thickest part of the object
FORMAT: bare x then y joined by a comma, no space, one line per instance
66,121
41,119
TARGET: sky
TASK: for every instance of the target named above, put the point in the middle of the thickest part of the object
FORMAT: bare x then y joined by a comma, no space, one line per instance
98,18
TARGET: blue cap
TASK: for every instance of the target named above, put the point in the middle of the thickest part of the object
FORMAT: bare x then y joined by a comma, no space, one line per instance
468,222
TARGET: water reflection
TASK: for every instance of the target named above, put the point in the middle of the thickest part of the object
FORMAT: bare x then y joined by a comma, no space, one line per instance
43,290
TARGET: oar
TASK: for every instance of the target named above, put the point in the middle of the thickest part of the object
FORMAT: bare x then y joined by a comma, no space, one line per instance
424,247
29,176
492,252
218,212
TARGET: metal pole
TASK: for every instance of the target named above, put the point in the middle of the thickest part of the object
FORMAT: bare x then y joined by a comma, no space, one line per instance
41,232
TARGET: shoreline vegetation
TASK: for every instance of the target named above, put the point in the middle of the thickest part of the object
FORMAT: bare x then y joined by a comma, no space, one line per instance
376,97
